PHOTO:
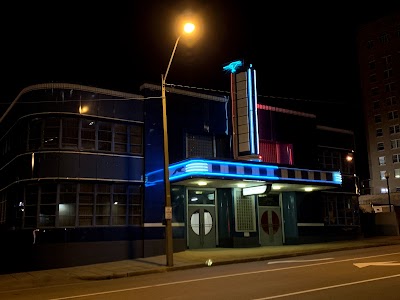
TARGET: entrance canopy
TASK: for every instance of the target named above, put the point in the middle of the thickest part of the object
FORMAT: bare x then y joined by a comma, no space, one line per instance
222,173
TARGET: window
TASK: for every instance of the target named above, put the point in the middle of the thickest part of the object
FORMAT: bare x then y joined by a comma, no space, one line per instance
51,133
379,132
70,130
393,115
136,139
105,136
370,44
374,91
86,204
31,206
387,60
396,173
387,73
392,100
67,205
119,206
378,118
394,144
103,204
382,160
120,138
199,146
372,78
376,104
396,158
135,205
380,147
88,134
372,65
35,134
47,210
384,38
389,87
382,175
394,129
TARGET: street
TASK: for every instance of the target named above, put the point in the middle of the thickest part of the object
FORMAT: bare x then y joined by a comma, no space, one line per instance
369,273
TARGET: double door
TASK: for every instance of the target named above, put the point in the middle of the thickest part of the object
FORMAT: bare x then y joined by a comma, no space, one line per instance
201,225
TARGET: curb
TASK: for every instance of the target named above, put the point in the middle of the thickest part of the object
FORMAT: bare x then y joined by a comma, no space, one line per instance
226,262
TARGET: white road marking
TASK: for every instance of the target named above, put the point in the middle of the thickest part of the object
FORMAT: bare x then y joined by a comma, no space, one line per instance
296,261
378,263
223,276
328,287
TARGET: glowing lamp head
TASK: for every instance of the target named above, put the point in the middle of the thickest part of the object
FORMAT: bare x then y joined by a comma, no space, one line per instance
188,27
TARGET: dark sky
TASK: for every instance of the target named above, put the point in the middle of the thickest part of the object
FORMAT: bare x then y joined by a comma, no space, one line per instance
299,50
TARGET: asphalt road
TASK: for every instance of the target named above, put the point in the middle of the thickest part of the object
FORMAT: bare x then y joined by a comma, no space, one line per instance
371,273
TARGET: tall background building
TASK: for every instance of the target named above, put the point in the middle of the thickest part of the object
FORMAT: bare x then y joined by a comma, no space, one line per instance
379,67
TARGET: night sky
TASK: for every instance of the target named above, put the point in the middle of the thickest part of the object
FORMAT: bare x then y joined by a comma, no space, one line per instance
300,51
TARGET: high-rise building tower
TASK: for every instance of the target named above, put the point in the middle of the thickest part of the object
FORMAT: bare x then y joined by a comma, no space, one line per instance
379,66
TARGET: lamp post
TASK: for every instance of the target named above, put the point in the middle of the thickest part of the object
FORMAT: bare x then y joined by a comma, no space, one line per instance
169,249
388,191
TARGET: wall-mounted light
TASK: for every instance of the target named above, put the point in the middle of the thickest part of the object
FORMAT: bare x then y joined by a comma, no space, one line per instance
308,189
202,183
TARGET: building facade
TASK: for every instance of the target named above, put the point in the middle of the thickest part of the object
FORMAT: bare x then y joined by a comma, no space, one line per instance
379,63
82,175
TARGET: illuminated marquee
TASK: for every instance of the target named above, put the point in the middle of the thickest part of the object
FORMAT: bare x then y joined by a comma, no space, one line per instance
217,169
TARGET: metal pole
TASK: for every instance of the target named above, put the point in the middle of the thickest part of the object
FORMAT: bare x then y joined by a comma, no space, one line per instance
169,241
169,250
387,183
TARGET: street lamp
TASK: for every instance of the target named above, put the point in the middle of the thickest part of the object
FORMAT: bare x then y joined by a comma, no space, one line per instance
169,249
388,191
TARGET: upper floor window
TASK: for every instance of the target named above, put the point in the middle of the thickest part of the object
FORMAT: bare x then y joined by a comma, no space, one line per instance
396,158
394,144
389,87
396,173
393,115
378,118
374,91
376,104
384,38
379,132
382,160
372,78
372,65
370,44
387,73
51,133
394,129
380,146
392,100
382,175
387,60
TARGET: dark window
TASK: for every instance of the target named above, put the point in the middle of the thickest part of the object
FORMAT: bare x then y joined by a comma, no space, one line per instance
88,134
104,136
35,134
51,133
136,139
135,205
103,204
70,130
47,210
86,204
120,138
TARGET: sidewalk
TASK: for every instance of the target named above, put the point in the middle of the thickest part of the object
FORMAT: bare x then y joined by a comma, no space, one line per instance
182,260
